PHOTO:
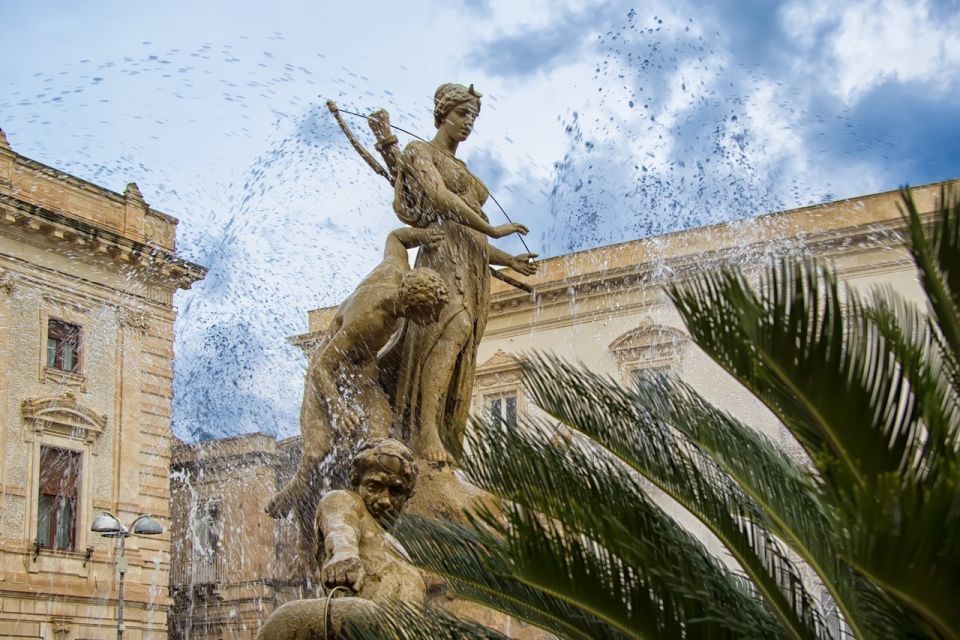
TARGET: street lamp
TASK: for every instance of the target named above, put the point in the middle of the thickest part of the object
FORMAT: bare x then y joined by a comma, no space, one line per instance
107,525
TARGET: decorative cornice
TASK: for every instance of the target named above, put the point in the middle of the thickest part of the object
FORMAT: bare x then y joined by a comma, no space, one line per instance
654,272
150,257
499,369
65,416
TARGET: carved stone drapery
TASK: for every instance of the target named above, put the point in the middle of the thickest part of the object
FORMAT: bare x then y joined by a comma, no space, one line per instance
65,416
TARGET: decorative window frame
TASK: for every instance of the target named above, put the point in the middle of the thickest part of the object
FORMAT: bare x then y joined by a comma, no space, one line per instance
498,376
72,562
64,417
71,314
649,347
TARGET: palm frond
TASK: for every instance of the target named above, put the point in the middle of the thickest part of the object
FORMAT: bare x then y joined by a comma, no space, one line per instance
478,566
596,497
786,494
938,260
605,412
836,389
913,341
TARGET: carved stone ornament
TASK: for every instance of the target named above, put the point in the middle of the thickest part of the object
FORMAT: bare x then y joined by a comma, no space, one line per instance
60,626
65,416
499,369
649,346
136,320
7,282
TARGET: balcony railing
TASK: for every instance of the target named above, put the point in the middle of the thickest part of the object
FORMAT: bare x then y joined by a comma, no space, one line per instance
199,570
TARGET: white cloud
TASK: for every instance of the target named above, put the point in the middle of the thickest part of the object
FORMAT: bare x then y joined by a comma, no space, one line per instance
872,41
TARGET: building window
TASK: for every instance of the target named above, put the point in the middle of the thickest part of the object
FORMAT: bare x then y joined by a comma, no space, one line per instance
58,498
502,409
208,530
63,346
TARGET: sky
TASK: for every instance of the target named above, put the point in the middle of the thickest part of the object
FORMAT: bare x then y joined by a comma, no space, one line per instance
601,122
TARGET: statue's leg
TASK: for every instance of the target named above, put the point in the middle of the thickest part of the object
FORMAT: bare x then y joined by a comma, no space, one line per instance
315,429
380,416
435,377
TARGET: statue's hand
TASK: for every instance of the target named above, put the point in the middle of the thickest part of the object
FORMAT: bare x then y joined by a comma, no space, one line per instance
347,417
380,123
434,237
507,229
523,263
343,570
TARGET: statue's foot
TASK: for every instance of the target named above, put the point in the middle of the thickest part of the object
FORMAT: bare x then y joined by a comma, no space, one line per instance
436,455
281,504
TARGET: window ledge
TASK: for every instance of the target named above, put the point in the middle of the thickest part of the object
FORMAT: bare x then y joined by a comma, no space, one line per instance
59,376
58,561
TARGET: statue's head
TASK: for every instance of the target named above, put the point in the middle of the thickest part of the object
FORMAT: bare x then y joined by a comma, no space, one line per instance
456,107
384,474
422,295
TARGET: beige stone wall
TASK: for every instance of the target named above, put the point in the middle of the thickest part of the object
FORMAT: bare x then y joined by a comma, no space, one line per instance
76,252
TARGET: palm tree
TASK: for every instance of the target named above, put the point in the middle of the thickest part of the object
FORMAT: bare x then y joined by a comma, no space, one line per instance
869,386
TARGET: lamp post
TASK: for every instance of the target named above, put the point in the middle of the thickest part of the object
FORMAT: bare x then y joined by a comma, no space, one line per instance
107,525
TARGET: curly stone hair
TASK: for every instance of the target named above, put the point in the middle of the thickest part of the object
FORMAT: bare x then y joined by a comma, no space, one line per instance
448,96
385,454
422,288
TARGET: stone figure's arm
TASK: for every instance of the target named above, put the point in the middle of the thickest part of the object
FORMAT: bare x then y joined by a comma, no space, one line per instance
521,263
405,238
420,168
339,516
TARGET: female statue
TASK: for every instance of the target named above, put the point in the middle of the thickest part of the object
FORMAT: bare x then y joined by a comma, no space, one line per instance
433,365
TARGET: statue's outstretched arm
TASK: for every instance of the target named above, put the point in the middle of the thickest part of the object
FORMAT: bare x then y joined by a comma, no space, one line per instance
339,521
405,238
521,263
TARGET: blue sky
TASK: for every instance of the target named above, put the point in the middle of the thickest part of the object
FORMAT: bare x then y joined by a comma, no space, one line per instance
602,122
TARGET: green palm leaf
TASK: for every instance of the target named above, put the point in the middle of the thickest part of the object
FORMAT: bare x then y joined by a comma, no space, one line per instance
596,497
478,566
843,398
787,495
939,263
607,413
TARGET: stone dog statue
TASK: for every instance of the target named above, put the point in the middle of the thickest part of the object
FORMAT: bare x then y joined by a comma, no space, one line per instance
358,554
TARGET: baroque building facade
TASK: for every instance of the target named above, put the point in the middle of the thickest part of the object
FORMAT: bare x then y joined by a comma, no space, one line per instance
605,308
87,278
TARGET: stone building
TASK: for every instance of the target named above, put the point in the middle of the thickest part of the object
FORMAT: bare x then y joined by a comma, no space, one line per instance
87,278
605,308
232,564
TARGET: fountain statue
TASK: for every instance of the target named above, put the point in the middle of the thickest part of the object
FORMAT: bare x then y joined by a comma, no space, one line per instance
360,556
398,361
